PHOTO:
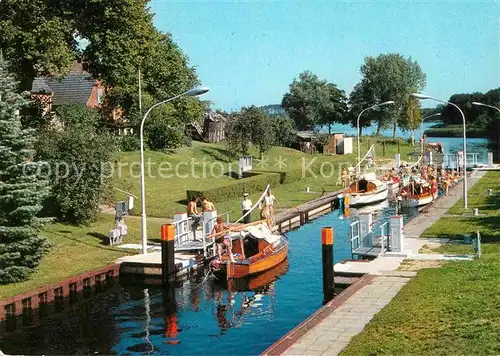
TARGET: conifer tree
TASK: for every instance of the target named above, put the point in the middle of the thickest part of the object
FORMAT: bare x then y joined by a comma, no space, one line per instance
22,189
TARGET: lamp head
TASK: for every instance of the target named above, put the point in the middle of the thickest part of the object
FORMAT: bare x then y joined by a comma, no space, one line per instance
387,102
197,91
420,96
476,103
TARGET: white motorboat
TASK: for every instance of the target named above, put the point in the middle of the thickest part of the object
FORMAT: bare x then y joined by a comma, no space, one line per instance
367,190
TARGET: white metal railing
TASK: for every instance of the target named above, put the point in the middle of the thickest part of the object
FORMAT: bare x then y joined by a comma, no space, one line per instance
354,235
385,235
182,230
451,160
184,233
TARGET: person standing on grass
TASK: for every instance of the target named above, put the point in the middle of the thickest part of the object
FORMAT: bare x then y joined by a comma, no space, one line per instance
193,213
246,205
269,200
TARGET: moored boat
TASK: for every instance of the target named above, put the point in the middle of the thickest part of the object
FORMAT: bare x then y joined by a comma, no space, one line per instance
418,193
367,190
255,249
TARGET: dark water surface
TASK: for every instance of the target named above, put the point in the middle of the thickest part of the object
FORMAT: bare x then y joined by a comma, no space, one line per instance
194,318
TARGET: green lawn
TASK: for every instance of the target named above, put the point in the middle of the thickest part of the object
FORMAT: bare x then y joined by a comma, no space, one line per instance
166,193
449,310
76,250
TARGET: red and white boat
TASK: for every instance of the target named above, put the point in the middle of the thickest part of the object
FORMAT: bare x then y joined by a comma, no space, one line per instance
418,193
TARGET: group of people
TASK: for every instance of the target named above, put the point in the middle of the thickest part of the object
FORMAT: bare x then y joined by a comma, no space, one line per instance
347,176
222,240
192,210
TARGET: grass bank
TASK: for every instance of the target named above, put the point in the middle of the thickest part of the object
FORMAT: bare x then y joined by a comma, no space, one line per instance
77,249
209,165
452,309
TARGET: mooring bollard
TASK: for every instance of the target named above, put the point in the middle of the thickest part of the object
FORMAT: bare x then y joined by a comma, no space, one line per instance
167,253
327,255
476,244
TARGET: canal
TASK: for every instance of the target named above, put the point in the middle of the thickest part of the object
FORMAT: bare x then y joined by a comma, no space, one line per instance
195,318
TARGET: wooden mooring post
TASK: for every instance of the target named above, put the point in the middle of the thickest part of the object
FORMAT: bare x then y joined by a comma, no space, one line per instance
167,253
327,257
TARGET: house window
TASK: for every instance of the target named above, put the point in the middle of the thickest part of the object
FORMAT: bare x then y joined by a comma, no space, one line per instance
100,96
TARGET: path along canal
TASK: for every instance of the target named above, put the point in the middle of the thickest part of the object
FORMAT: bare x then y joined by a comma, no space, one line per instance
194,318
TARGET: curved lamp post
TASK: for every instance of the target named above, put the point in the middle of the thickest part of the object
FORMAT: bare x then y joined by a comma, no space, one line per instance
422,97
488,106
422,131
191,92
359,116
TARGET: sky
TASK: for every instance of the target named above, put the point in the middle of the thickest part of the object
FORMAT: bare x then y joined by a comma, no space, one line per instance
249,52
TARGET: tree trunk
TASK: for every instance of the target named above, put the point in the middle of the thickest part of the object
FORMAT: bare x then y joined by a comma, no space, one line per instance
412,138
329,128
394,131
379,128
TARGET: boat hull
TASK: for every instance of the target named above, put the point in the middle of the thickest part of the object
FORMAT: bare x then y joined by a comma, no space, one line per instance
360,199
416,202
255,264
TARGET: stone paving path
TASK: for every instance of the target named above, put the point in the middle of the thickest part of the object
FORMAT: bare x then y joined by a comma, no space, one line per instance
435,211
335,332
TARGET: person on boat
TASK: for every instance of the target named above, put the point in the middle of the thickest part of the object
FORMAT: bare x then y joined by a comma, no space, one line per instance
369,161
207,205
352,176
344,177
269,200
246,206
222,240
193,213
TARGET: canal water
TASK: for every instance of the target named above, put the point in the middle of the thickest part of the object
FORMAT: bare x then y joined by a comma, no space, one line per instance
195,318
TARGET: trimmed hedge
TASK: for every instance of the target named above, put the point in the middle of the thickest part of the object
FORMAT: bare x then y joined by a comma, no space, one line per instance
254,184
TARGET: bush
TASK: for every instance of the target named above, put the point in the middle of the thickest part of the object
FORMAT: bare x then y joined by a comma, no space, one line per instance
253,184
129,143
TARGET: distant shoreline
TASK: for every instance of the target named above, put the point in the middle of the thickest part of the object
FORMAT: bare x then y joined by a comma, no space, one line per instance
457,132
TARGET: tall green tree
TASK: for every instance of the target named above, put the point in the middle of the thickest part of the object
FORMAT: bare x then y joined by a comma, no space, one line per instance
451,116
283,130
410,118
359,99
22,189
81,161
250,126
391,77
311,102
113,38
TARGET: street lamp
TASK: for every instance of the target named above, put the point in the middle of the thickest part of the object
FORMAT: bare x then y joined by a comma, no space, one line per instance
359,116
191,92
488,106
422,130
422,97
